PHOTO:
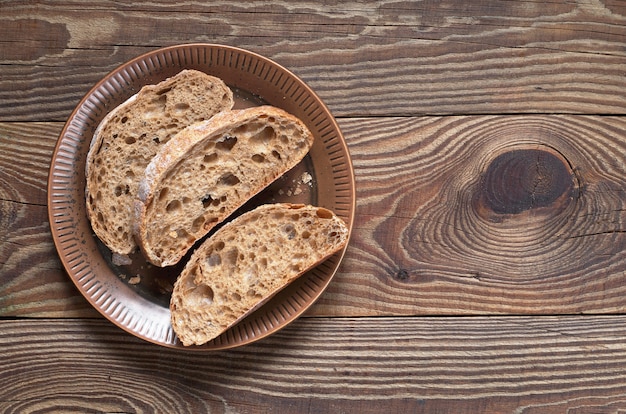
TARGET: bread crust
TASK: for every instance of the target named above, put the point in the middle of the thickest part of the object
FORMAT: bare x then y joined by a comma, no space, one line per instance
277,139
246,262
130,135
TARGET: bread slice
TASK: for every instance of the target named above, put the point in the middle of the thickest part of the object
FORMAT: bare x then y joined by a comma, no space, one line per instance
246,262
209,170
129,137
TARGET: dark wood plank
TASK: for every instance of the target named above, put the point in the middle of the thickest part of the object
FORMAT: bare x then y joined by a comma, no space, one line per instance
485,214
32,279
436,232
461,365
471,215
26,151
393,58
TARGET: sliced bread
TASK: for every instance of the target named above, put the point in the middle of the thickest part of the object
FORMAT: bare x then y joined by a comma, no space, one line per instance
209,170
129,137
246,262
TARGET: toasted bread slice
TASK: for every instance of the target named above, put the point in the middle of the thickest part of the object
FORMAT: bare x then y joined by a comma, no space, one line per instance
246,262
130,135
209,170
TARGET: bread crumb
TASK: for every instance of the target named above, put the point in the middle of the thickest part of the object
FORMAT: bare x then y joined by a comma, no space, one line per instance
306,178
121,259
134,280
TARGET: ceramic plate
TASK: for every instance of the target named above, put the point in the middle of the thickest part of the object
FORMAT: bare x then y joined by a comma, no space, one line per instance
136,297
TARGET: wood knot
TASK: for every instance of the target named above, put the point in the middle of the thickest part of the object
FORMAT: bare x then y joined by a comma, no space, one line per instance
401,275
526,179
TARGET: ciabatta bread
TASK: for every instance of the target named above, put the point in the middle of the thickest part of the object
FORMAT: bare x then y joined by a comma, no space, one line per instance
129,137
209,170
246,262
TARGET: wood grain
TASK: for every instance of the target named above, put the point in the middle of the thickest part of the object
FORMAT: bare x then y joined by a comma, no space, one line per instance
426,241
488,141
32,279
393,58
485,214
366,365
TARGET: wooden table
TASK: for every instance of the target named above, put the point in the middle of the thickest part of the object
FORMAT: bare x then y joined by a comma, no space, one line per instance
487,268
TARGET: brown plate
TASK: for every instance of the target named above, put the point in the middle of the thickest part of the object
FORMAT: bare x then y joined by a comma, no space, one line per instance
136,297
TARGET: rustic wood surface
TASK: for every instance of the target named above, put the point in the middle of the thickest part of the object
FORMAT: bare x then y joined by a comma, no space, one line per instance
487,267
363,365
